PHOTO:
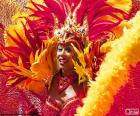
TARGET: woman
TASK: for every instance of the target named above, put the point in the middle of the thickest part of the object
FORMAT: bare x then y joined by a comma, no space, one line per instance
65,94
52,53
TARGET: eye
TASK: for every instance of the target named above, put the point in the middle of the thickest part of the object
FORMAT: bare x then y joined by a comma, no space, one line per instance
68,49
60,48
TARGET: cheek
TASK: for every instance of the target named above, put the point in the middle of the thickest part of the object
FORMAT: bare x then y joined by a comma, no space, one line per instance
57,54
69,56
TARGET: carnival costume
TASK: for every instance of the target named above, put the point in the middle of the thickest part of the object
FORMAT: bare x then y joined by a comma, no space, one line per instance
103,36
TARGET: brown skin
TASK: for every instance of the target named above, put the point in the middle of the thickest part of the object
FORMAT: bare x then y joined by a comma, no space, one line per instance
64,55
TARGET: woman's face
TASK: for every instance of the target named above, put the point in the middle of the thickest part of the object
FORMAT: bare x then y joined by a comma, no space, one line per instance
65,54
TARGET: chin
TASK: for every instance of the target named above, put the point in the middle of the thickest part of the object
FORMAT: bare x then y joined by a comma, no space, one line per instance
61,66
65,66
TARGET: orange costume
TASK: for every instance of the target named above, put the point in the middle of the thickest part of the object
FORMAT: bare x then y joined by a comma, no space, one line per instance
94,31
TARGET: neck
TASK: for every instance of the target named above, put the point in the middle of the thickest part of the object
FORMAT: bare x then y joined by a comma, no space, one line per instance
67,72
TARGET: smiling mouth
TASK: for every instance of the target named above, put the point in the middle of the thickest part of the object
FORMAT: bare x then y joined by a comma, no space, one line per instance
62,61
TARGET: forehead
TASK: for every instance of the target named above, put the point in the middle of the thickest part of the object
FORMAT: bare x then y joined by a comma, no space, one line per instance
65,45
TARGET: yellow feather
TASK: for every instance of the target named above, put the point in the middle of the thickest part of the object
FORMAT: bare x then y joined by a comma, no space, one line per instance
20,62
11,81
80,55
45,62
83,72
86,49
125,5
22,70
36,55
32,60
113,72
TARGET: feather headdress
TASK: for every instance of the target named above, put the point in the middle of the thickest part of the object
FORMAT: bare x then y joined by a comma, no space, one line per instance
28,54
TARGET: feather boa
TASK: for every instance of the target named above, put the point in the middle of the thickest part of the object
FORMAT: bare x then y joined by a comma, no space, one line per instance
113,72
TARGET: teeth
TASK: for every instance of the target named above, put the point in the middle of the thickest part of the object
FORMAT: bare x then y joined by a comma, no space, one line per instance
62,60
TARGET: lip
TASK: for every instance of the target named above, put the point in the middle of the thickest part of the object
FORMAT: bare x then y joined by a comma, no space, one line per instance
62,61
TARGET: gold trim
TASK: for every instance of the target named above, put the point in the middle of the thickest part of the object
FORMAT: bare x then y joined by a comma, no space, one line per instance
52,106
69,102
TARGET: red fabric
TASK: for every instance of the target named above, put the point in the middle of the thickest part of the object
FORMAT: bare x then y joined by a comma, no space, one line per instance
66,109
129,96
50,110
64,82
135,8
14,101
70,109
32,111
